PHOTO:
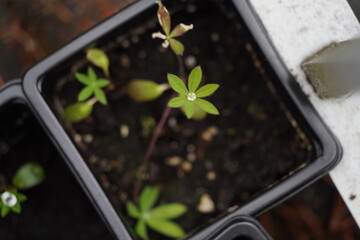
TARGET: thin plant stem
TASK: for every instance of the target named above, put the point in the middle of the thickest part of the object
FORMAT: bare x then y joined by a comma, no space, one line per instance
157,132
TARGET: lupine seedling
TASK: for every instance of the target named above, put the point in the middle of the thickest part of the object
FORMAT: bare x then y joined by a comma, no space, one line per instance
93,86
191,95
27,176
157,218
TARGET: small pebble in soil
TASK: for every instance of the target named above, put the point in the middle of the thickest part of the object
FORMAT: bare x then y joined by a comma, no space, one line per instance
123,196
124,131
190,61
206,204
208,164
125,61
352,197
173,161
135,39
211,175
191,157
191,8
125,43
186,166
190,148
209,133
93,159
215,37
172,122
77,138
173,145
88,138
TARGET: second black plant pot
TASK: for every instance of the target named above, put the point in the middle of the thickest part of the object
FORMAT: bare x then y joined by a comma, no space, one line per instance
267,144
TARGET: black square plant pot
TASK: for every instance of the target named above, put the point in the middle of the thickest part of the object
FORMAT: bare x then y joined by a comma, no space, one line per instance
241,228
40,84
55,209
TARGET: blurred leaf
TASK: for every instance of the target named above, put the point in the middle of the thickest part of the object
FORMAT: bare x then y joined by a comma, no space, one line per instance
21,197
16,208
177,84
207,106
132,210
29,175
82,78
148,198
180,30
198,115
78,111
195,79
142,90
85,93
4,210
164,18
100,96
141,230
177,102
176,46
189,109
99,58
206,90
168,211
167,228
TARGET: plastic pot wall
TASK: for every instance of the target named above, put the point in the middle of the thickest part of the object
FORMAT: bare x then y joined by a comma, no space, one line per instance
328,150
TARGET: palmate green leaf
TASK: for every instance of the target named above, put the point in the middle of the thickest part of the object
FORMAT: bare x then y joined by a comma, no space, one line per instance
189,109
142,90
148,198
91,75
177,102
176,46
85,93
195,79
132,210
164,18
100,96
177,84
28,175
141,230
180,30
167,228
99,58
78,111
168,211
207,106
206,90
101,83
82,78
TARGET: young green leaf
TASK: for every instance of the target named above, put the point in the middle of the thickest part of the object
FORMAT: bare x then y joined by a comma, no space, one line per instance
85,93
177,84
168,211
82,78
16,208
176,46
132,210
142,90
195,79
99,58
141,230
28,175
206,90
207,106
78,111
167,228
100,96
198,115
189,109
177,102
148,198
4,210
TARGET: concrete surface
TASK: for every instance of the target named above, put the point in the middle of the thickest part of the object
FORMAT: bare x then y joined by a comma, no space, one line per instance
298,29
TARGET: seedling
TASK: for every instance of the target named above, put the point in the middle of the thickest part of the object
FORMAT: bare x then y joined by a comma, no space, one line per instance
157,218
27,176
191,95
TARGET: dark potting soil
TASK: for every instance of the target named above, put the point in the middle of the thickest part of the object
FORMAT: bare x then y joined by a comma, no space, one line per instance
55,209
231,158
